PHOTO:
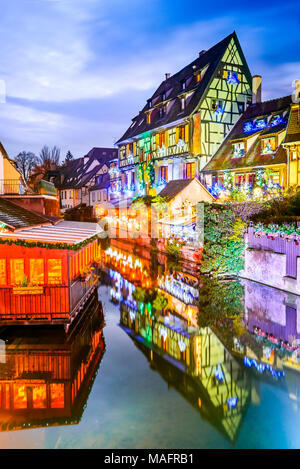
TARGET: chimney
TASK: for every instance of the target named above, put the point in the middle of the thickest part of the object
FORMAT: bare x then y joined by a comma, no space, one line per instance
256,89
296,94
168,75
202,52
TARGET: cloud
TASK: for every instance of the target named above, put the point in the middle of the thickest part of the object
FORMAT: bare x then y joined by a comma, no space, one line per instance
77,72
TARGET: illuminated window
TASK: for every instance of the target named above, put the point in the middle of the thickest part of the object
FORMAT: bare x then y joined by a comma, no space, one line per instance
268,145
54,271
57,395
17,271
36,271
163,173
238,150
293,157
2,272
181,133
198,77
39,397
190,170
20,396
148,118
161,139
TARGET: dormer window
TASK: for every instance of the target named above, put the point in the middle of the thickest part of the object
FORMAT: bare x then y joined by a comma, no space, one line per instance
183,104
241,107
268,145
238,150
183,85
276,120
198,77
149,103
163,96
261,124
162,111
149,118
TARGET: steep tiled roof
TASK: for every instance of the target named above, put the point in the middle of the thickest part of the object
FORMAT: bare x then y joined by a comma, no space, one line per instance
293,131
77,173
16,217
172,87
223,159
173,188
103,182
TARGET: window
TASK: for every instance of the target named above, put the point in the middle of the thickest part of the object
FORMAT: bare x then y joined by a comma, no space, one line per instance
161,138
162,111
172,137
241,107
293,155
198,77
36,267
183,85
163,96
163,173
54,271
149,103
148,118
182,104
93,196
181,133
99,196
238,150
268,145
39,396
190,170
57,395
3,280
17,271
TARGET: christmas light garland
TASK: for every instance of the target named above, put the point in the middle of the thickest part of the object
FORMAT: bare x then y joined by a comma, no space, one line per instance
39,244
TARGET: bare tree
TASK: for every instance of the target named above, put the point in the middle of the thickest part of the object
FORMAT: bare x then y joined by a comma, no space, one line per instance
25,162
48,159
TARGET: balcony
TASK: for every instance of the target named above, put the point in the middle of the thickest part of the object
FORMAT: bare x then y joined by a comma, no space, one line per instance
11,187
52,305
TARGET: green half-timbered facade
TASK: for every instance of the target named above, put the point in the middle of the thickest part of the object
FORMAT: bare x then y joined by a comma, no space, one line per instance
186,119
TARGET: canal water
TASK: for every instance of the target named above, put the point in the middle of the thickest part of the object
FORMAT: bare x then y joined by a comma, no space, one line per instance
174,361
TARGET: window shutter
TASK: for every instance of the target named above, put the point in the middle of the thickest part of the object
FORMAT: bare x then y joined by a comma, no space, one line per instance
166,139
186,133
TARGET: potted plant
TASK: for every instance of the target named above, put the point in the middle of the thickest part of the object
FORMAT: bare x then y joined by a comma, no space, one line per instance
27,288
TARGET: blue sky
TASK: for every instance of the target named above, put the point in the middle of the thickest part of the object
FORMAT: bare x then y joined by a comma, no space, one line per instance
77,71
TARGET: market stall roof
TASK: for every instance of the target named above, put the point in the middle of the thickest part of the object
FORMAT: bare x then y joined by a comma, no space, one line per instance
71,233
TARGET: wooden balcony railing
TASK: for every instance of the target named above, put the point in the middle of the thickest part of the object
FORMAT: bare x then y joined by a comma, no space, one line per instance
56,304
11,186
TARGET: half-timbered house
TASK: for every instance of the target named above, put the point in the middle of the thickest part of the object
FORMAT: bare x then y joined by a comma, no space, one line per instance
186,119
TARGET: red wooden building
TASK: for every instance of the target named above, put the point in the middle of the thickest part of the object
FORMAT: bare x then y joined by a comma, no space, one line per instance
47,272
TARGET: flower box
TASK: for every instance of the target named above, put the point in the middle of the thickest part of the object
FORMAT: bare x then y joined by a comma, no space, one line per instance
85,277
28,290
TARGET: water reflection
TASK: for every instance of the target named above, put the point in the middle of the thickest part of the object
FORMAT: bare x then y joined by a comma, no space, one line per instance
214,342
46,377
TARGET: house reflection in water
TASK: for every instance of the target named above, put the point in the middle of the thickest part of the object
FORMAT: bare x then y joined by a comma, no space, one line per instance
45,379
214,357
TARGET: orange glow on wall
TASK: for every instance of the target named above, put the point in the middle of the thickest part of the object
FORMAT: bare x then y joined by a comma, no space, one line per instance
54,271
17,271
57,395
3,279
36,267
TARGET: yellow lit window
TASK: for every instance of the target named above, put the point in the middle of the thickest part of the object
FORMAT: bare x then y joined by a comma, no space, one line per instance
198,77
190,170
39,397
36,271
148,118
17,271
20,396
57,393
2,272
293,155
54,271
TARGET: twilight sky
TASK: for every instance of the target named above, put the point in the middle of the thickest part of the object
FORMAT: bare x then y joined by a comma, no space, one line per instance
77,71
